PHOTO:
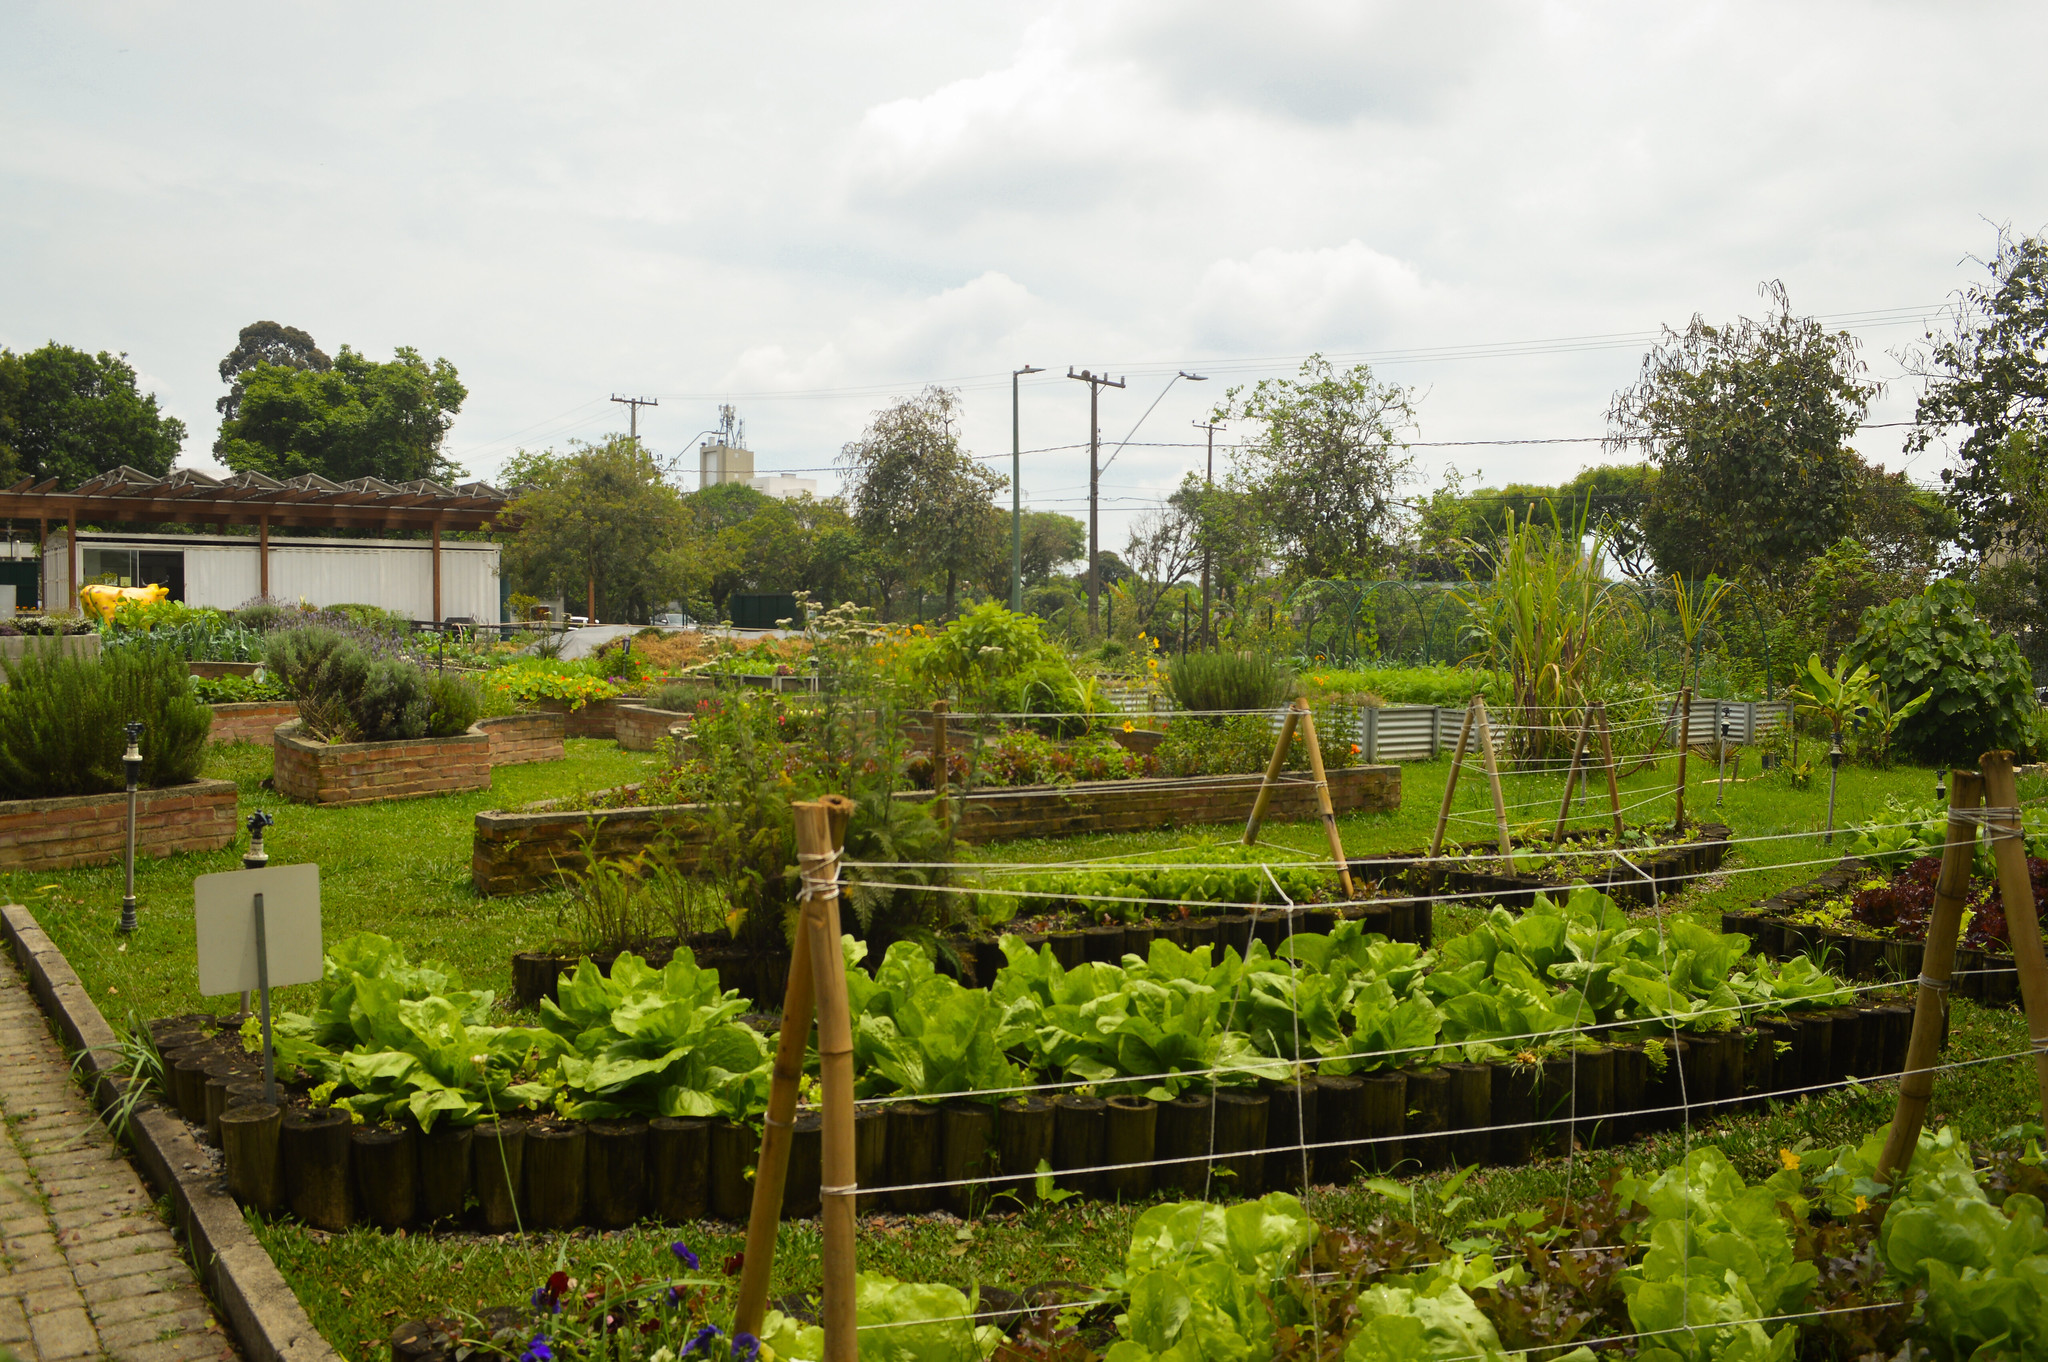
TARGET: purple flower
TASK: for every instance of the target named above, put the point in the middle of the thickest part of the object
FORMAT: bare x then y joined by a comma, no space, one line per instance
683,1252
700,1339
675,1296
746,1346
538,1350
545,1301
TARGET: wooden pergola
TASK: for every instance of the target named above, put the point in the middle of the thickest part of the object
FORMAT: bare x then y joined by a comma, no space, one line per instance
129,496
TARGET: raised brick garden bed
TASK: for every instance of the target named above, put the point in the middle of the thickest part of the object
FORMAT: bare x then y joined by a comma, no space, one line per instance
596,719
518,851
219,669
641,728
363,772
251,720
517,739
48,834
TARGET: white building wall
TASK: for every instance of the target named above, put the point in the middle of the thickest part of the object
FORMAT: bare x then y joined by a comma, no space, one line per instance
398,575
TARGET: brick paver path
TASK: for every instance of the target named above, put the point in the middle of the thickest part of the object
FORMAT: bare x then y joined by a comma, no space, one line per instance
89,1269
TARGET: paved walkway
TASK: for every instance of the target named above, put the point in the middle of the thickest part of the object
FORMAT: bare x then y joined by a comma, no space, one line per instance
89,1270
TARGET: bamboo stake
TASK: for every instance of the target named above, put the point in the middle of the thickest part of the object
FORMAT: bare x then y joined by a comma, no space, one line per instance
772,1169
2016,888
1500,803
1607,751
1684,741
1571,777
1315,763
939,772
820,831
1273,765
1443,815
1937,965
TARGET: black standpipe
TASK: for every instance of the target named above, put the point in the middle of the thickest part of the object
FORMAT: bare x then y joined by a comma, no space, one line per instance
255,858
132,759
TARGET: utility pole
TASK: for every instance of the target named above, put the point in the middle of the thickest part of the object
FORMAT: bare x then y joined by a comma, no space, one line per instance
1096,383
1208,481
1017,496
634,404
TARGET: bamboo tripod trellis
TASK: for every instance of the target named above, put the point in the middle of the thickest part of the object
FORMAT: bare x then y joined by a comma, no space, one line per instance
1969,792
1596,721
1299,718
1476,722
817,984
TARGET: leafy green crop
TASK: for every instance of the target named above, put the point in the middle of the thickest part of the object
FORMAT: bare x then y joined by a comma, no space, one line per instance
897,1322
1982,685
919,1033
1204,1281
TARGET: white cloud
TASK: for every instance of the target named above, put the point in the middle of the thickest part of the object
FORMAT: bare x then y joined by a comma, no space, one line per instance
1328,297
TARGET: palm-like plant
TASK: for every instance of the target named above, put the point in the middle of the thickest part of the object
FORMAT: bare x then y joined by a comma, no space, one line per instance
1540,618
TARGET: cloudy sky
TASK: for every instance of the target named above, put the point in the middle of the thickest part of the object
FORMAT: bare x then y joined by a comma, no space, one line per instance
810,209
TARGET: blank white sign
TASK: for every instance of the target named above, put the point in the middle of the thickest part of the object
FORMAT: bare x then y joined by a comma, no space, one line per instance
225,905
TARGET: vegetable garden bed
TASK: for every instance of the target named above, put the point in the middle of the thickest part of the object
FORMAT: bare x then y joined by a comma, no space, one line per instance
46,834
518,851
1864,923
1646,874
252,721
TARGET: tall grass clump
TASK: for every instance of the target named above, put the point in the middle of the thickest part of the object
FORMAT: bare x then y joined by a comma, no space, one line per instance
1540,619
61,722
1228,681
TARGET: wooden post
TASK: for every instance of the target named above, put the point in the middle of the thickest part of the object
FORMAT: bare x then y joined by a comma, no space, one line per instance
1273,765
1571,777
1443,814
263,557
1315,763
820,831
1500,804
1607,753
71,559
772,1169
437,573
1684,741
1937,964
939,773
2016,889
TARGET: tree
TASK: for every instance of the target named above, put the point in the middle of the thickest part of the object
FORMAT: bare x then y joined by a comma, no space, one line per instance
1326,466
1050,542
923,503
1164,549
358,419
742,539
68,415
1614,498
1988,374
599,527
1748,426
265,343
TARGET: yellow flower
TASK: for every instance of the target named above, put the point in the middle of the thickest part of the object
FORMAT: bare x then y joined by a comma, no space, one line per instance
1862,1204
1788,1158
1129,726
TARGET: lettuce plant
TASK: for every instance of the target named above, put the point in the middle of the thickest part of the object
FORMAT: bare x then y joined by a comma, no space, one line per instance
1208,1283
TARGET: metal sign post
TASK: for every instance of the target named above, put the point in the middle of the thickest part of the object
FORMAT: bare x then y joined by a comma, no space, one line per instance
132,759
258,929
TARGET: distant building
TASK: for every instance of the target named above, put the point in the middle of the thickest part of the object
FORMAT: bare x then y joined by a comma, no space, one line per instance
783,486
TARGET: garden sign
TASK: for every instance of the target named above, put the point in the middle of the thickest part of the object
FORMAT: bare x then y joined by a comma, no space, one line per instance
258,929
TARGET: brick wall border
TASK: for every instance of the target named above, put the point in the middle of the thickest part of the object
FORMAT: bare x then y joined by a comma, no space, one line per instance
251,1293
250,721
364,772
50,834
597,719
519,851
641,728
517,739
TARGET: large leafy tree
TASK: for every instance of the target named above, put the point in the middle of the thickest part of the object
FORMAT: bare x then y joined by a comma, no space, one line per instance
745,540
1326,466
1748,426
599,527
925,505
1050,542
1986,376
1615,499
359,418
69,415
265,343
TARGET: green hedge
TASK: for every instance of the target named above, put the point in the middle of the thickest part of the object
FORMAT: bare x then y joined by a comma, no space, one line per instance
61,721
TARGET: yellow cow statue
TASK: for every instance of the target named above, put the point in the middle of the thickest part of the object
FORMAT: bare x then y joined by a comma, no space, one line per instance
101,600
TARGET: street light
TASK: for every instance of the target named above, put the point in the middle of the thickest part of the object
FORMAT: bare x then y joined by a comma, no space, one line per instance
1017,495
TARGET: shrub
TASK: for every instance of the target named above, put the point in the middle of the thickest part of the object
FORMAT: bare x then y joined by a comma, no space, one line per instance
347,693
1981,683
61,722
1228,681
374,618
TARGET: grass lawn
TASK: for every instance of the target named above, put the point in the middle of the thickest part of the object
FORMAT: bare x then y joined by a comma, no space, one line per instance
403,869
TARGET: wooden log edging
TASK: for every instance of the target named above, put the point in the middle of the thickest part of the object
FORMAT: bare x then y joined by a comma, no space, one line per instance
268,1321
1668,869
610,1173
1985,977
520,851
